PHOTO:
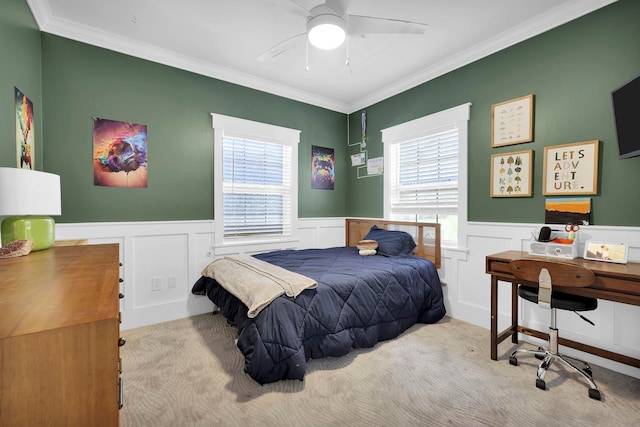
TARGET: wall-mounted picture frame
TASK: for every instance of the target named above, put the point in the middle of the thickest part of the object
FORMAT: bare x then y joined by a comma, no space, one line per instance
511,174
322,168
120,154
565,210
512,121
571,169
603,251
25,138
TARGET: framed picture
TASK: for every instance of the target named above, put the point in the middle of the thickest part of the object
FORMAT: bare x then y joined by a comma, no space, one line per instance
322,168
512,121
119,154
609,252
565,210
25,138
571,169
511,174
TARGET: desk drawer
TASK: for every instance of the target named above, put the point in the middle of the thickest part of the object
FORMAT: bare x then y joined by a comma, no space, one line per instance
498,267
617,285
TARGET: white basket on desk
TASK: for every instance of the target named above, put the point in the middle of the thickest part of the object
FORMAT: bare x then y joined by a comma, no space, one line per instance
556,250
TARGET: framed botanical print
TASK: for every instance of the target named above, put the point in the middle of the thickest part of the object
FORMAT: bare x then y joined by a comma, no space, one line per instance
511,174
571,169
512,121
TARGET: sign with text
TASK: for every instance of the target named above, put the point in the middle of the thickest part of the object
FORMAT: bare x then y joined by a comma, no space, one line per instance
571,168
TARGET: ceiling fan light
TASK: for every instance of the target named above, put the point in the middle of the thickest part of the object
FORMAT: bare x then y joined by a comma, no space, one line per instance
326,31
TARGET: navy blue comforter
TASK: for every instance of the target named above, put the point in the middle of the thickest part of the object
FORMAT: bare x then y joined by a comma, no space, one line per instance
359,301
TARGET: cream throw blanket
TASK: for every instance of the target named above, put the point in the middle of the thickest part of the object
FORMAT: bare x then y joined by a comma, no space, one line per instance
256,283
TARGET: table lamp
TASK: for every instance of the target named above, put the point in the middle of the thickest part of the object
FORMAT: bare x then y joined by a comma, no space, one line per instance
27,197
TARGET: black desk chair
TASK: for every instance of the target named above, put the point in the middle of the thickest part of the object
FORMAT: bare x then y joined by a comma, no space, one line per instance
543,273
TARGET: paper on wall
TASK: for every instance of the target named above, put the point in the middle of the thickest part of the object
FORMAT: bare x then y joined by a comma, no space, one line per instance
375,166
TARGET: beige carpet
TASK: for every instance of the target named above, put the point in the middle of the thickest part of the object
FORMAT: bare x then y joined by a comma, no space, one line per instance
189,373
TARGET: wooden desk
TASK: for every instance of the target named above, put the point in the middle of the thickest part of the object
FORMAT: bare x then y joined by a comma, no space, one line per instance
614,282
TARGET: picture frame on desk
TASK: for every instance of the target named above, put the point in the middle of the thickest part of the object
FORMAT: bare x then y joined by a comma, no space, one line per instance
606,252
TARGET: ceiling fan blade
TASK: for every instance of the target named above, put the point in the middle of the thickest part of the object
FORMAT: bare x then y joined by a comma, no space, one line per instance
280,48
339,6
370,25
292,6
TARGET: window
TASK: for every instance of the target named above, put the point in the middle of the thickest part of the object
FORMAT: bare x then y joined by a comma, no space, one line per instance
255,181
425,164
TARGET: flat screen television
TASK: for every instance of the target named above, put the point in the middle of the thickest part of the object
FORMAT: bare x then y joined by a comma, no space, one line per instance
626,108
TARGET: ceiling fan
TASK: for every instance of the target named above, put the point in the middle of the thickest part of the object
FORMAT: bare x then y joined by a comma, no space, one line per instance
328,25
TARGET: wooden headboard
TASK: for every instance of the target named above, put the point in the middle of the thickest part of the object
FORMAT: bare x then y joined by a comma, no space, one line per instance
425,234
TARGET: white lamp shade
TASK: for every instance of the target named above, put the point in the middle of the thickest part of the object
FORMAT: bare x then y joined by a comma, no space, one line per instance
29,192
326,31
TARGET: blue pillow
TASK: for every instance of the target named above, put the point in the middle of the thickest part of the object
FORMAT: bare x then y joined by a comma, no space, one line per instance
391,243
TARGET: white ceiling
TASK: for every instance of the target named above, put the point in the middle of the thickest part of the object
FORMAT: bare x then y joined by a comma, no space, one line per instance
223,39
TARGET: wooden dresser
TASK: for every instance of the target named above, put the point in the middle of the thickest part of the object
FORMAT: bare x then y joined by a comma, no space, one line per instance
60,337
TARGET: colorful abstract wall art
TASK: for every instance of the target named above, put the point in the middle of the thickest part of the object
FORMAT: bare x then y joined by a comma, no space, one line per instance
25,139
322,170
119,154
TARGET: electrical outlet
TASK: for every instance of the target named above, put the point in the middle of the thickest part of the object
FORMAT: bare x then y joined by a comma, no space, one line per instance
156,284
210,252
172,281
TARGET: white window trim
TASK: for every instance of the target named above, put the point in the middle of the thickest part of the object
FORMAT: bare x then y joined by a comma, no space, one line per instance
458,116
260,131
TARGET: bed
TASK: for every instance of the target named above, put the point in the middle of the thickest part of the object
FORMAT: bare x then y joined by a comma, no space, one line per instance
345,300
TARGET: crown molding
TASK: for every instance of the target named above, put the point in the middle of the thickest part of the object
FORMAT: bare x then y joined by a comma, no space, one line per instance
71,30
41,12
81,33
540,24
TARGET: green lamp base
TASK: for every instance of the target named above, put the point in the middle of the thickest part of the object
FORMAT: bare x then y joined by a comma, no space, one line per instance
40,229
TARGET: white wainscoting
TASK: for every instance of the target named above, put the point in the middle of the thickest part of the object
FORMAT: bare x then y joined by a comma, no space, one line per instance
174,253
468,292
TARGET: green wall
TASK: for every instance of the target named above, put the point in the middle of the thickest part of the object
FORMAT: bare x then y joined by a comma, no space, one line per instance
571,70
82,81
20,53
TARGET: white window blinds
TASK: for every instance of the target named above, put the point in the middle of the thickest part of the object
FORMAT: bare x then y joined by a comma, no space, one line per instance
425,163
255,181
256,188
424,174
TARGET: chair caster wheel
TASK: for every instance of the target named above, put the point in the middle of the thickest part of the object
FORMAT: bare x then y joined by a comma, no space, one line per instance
594,394
543,386
539,356
588,371
513,361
